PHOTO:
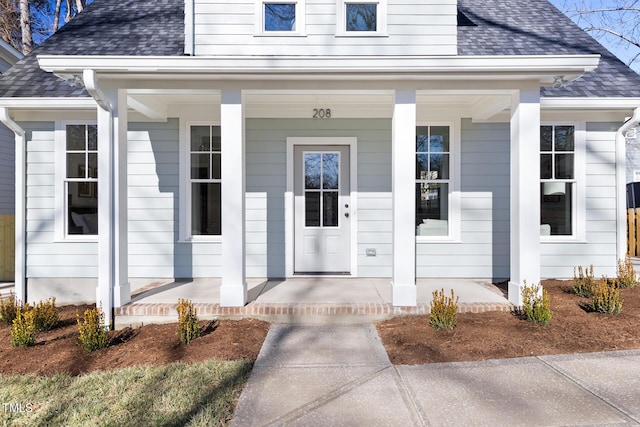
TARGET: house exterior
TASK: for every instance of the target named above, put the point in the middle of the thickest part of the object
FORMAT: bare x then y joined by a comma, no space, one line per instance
377,138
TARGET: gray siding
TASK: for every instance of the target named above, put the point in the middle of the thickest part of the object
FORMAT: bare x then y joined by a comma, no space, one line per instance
599,250
7,171
266,186
424,27
483,251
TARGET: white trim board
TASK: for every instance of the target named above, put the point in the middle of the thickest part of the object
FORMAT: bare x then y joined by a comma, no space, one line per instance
352,142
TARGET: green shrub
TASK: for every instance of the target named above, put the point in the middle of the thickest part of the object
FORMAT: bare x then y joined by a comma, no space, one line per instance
627,277
536,304
93,332
444,310
188,326
8,308
46,315
606,298
583,282
24,332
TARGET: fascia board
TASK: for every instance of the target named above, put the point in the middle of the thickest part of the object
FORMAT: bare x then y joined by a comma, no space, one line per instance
577,103
48,103
372,66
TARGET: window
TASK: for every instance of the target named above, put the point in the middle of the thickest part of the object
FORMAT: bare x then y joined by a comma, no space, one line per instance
364,18
205,180
433,179
280,18
81,179
557,180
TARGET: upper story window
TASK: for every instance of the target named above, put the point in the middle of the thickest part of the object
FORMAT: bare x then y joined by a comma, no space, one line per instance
280,17
361,18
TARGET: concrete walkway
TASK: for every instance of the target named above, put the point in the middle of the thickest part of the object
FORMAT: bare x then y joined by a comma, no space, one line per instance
340,375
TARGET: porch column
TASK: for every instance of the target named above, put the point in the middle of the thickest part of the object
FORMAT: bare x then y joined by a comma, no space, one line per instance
403,281
233,291
525,190
113,283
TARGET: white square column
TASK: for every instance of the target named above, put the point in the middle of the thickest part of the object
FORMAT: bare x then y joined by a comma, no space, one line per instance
403,281
113,282
525,190
233,290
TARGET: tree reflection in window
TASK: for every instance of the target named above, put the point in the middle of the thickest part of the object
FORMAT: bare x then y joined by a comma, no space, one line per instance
279,16
362,16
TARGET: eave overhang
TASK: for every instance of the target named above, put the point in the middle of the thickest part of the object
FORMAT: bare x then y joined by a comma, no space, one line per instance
544,68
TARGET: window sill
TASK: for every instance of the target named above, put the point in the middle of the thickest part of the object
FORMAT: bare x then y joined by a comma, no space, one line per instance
437,239
201,239
280,34
362,34
563,239
89,239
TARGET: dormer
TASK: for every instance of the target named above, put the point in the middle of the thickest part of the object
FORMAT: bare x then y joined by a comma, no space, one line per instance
320,27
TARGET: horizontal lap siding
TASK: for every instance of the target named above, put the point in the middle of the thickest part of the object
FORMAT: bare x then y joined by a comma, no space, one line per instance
266,186
559,259
7,168
484,247
425,27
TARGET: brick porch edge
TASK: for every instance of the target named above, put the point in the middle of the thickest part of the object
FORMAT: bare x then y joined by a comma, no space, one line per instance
299,309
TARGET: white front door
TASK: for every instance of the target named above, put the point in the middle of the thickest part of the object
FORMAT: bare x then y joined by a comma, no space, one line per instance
322,209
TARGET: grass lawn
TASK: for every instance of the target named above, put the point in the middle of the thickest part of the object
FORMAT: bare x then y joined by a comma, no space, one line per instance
200,394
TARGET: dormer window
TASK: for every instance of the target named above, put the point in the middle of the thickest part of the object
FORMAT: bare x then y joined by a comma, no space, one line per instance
362,18
280,18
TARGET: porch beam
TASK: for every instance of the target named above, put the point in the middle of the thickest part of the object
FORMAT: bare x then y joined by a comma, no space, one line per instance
525,190
233,290
403,284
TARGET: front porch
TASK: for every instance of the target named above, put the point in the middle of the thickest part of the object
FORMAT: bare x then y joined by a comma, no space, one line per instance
319,299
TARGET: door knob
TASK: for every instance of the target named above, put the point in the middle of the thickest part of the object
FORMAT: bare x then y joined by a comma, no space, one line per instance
346,214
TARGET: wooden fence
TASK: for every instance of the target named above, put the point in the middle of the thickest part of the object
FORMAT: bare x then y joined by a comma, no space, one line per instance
7,247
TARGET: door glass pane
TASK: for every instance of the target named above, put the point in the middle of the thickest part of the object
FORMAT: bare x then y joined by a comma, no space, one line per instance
330,171
217,167
312,170
330,209
546,138
93,165
200,139
432,209
422,166
76,138
564,166
564,138
200,166
362,16
312,208
206,212
555,208
439,139
439,165
279,17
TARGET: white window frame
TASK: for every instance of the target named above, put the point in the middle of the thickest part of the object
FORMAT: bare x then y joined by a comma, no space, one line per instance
341,23
300,30
454,228
184,214
578,203
60,176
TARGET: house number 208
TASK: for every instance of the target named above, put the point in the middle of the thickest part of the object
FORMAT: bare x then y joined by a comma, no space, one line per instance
321,113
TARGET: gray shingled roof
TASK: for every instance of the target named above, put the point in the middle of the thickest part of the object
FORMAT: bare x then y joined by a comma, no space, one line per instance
536,27
106,27
488,27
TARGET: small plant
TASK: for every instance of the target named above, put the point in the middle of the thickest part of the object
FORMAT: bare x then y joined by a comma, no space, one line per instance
46,315
24,330
583,281
536,304
606,298
93,333
627,277
9,308
444,310
188,326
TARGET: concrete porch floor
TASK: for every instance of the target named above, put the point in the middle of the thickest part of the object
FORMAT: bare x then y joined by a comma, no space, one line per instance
303,299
